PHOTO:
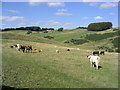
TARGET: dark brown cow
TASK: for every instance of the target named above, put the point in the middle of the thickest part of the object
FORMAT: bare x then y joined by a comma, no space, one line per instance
102,52
95,52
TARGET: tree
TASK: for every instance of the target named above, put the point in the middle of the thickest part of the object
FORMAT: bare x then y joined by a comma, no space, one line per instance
60,29
99,26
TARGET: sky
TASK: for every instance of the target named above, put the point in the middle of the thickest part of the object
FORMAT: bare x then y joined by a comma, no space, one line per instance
68,15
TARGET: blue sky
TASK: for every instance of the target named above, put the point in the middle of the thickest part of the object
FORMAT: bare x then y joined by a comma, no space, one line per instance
68,15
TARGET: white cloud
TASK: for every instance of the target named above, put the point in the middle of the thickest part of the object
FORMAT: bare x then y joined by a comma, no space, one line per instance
98,18
62,10
100,0
13,11
61,13
20,24
12,18
2,24
108,5
91,0
111,13
85,18
52,23
93,3
68,24
55,4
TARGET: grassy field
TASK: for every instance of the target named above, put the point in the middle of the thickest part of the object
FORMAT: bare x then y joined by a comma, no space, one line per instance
49,69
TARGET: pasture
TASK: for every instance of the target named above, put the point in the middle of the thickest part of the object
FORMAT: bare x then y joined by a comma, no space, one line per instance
66,69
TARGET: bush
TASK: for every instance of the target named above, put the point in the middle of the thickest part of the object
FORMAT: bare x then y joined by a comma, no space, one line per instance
29,32
76,41
45,31
99,26
49,37
106,48
60,29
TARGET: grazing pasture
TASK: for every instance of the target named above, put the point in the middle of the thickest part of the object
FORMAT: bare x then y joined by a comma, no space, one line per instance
49,69
66,69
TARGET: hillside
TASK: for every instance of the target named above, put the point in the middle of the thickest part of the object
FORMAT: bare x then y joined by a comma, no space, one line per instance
49,69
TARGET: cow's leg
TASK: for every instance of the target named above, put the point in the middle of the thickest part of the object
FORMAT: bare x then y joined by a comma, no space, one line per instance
96,65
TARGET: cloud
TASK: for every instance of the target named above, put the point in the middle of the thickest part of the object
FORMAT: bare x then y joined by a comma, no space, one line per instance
12,18
61,13
100,0
13,11
56,4
98,18
68,24
111,13
52,23
108,5
85,18
2,24
91,0
20,24
93,4
62,10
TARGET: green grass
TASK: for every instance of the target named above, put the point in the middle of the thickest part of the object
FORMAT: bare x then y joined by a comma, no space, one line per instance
49,69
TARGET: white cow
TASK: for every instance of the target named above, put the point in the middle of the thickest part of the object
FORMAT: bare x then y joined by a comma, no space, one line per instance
18,47
94,60
57,51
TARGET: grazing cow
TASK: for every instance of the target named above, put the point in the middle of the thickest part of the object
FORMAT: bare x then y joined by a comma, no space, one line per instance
102,52
11,46
68,49
28,48
18,46
57,51
94,60
95,52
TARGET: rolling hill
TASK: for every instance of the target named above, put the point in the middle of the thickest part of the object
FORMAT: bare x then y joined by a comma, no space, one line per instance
49,69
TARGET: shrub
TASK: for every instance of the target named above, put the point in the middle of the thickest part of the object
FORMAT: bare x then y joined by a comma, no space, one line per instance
29,32
45,31
67,41
49,37
99,26
60,29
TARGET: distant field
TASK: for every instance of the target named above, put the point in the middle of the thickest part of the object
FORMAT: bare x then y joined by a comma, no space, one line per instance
49,69
65,35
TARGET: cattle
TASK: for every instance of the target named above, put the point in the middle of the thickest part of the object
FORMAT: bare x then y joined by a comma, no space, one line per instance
57,51
23,48
95,52
18,46
68,49
11,46
102,52
94,60
28,48
35,50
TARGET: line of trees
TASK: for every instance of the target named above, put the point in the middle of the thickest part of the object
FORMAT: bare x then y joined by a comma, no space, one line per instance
32,28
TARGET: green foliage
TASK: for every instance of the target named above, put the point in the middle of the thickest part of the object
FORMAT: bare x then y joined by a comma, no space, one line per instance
99,26
29,32
106,48
78,41
45,31
49,37
96,37
60,29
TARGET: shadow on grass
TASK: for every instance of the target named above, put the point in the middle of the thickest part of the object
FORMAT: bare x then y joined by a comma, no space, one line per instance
12,88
